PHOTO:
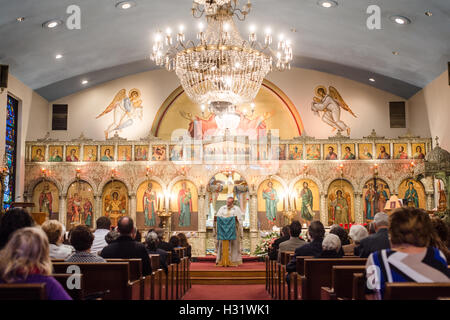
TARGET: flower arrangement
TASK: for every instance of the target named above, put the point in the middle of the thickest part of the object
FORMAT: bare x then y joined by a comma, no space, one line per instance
262,249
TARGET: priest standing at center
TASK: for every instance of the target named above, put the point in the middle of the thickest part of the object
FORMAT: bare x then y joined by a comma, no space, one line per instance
233,256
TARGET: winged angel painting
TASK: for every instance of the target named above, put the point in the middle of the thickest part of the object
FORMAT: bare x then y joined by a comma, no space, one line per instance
330,104
126,108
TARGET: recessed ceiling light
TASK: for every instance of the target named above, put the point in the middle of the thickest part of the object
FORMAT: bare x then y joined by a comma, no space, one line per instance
400,20
327,3
20,19
371,79
84,82
428,13
395,53
125,5
51,24
58,56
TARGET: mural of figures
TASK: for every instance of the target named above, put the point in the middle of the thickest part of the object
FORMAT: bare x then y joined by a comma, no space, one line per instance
375,195
271,203
330,151
73,153
340,202
348,151
46,199
412,193
383,151
38,154
330,104
176,153
126,110
159,153
295,152
280,151
313,152
90,153
115,201
124,153
55,154
307,200
107,153
418,150
149,201
80,204
365,151
400,151
183,204
141,153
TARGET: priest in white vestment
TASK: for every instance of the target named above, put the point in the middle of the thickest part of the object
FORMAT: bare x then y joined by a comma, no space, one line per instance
233,258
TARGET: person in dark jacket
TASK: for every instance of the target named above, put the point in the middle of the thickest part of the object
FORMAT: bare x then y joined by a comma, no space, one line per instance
342,234
331,247
273,251
151,243
16,218
379,240
166,245
185,244
126,248
316,232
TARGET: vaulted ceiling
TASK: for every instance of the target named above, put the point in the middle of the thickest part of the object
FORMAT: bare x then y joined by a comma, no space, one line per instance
113,42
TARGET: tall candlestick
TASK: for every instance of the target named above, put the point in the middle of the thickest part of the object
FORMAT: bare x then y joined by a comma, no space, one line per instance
295,204
159,203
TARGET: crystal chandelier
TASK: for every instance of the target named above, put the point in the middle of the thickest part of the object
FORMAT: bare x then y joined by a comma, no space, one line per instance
221,69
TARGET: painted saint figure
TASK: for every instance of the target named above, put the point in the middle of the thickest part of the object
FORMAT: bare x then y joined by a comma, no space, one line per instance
419,154
115,208
307,203
383,197
366,155
150,206
46,200
339,209
270,196
348,154
55,156
331,154
401,153
107,156
369,203
383,154
75,208
39,157
411,196
88,208
184,206
72,157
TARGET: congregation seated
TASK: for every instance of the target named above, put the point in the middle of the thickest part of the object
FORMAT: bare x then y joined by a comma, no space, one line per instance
151,242
443,238
371,228
412,258
342,234
124,247
185,244
25,260
138,236
103,228
81,238
379,240
111,237
17,218
273,250
294,242
316,232
55,233
331,247
356,234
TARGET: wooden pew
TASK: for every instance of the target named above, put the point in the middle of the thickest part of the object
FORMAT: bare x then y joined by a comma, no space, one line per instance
341,283
112,276
416,291
266,261
35,291
170,282
295,290
75,294
136,275
359,286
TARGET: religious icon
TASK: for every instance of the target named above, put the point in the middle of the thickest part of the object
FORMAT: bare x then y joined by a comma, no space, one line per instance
159,153
412,193
107,153
281,152
348,152
383,150
339,209
184,205
80,207
150,205
240,190
340,202
37,154
124,153
271,198
72,153
419,150
313,152
176,153
306,195
369,202
90,153
115,201
400,151
411,198
365,151
46,199
125,110
295,152
141,153
55,154
383,196
331,151
331,104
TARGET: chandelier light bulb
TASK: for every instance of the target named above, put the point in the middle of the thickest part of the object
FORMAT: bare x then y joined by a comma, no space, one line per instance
268,31
226,27
252,28
181,28
200,26
168,31
281,37
252,105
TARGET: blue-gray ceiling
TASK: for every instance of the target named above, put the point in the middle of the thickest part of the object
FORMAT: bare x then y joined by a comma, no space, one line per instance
113,43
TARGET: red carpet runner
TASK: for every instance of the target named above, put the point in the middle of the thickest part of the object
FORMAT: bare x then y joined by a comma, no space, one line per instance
227,292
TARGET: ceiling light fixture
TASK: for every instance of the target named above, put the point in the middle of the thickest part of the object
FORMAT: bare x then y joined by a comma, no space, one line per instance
395,53
401,20
428,13
327,3
58,56
84,82
371,79
51,24
20,19
125,5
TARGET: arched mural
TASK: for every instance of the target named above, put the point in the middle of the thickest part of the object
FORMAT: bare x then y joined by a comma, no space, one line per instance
80,205
306,201
375,195
412,193
115,201
271,204
341,200
46,199
184,206
149,200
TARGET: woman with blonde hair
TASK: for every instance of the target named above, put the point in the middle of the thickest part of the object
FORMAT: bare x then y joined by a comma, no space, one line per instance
25,259
55,234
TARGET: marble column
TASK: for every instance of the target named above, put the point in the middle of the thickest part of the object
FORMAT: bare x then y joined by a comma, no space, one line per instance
430,201
97,207
359,217
63,209
132,198
254,236
323,209
200,248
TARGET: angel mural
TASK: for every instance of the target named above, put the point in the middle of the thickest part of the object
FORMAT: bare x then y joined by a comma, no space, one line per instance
331,104
126,109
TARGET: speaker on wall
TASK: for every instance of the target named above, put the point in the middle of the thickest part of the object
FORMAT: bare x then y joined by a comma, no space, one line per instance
59,116
3,77
397,114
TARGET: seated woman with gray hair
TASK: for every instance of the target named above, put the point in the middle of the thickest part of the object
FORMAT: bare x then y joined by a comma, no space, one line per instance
357,233
331,247
151,243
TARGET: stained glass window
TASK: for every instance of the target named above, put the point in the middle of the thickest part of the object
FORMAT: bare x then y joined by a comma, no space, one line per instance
10,152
